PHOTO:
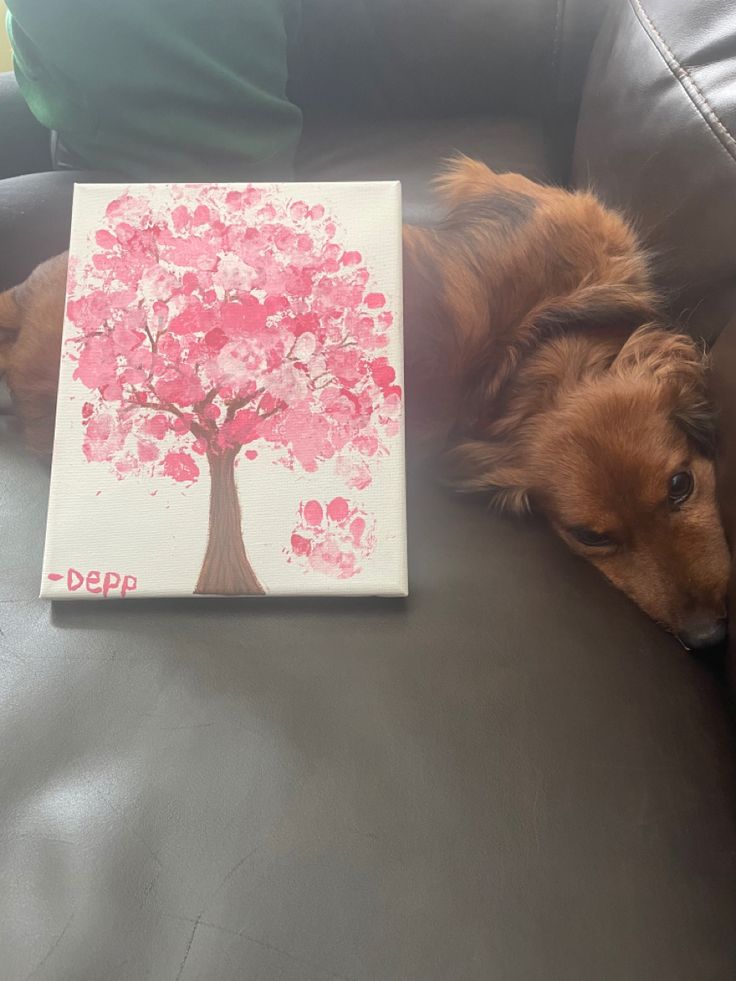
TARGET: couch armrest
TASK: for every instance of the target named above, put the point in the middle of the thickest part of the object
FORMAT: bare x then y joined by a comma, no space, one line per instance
656,137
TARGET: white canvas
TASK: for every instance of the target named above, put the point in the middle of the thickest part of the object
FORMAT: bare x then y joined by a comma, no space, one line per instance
230,412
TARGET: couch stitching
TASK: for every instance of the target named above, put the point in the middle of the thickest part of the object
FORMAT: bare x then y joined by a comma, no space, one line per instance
693,91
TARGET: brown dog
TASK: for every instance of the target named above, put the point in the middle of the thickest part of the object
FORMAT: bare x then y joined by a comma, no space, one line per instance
537,359
563,390
31,320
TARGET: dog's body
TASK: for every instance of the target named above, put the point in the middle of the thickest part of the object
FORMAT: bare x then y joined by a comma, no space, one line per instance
538,367
31,319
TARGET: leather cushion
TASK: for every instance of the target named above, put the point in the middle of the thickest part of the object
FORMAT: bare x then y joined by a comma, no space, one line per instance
656,137
412,151
511,774
434,58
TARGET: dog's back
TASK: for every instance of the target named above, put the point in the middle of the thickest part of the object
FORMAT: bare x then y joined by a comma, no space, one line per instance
512,264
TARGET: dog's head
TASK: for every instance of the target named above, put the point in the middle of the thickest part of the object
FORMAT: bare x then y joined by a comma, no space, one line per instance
621,464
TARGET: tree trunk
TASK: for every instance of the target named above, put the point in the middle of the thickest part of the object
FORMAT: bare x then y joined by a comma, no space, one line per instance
226,570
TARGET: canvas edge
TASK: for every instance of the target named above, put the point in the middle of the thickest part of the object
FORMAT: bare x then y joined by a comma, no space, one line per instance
79,193
402,586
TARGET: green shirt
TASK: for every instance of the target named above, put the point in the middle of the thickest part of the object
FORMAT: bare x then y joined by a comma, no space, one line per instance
162,89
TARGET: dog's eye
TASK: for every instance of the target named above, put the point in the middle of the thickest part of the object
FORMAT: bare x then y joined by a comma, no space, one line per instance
680,487
586,536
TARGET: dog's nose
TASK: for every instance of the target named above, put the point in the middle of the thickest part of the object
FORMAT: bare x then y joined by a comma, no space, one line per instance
703,631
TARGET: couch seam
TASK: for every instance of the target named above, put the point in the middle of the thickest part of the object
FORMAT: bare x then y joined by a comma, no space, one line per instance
699,101
557,39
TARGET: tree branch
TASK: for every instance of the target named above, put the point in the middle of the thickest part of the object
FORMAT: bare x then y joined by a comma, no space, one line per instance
157,407
199,431
272,412
325,374
150,338
237,404
207,400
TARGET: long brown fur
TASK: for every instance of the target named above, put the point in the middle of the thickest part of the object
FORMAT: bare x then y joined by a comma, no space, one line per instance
539,369
548,374
31,318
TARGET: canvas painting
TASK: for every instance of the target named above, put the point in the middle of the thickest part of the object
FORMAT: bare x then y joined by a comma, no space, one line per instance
230,419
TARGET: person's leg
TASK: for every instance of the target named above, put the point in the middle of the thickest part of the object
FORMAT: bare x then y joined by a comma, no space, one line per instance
35,200
24,142
35,213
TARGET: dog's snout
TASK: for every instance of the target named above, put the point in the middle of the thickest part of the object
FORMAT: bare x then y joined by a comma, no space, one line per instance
703,631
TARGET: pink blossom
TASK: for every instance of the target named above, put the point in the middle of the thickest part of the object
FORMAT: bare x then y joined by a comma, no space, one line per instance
182,424
242,428
306,323
180,388
383,373
147,451
156,426
299,210
218,319
361,476
216,339
180,467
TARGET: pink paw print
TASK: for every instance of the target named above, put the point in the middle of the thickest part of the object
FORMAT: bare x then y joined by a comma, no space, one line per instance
332,538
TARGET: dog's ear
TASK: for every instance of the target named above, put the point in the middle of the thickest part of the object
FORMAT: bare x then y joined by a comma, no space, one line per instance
599,308
654,350
475,467
462,179
698,420
682,366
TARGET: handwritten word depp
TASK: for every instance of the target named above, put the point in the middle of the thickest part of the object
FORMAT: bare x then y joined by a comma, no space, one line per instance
96,582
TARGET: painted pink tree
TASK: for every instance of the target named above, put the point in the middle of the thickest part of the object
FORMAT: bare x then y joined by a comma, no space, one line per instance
213,322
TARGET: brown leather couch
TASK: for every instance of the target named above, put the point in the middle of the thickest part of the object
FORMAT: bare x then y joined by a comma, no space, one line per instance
514,774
